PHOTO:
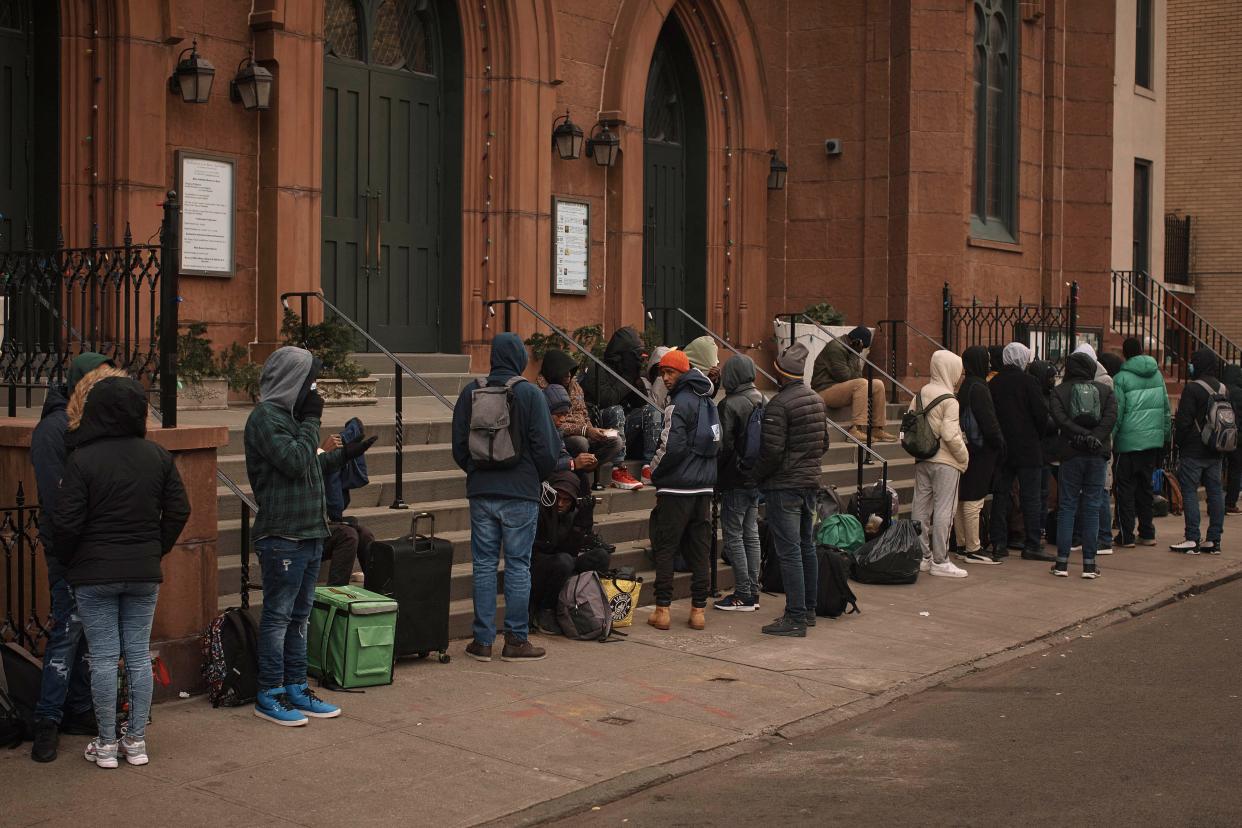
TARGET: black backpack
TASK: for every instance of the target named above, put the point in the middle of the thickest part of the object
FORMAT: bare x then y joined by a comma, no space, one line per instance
230,658
833,595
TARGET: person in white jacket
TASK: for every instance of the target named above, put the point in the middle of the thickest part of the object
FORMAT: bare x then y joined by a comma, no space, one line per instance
936,479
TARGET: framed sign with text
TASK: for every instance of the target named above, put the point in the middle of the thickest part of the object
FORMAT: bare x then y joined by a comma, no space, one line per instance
571,246
206,185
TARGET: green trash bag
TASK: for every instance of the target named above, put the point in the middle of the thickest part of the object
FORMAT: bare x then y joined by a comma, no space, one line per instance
842,531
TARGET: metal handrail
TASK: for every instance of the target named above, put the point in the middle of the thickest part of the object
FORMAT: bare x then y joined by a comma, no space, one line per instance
793,335
717,337
1177,321
490,307
400,369
892,344
1195,315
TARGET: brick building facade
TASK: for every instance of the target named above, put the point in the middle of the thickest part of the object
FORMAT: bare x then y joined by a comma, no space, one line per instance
1204,150
421,130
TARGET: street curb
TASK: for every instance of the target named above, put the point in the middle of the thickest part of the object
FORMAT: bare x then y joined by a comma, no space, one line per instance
633,782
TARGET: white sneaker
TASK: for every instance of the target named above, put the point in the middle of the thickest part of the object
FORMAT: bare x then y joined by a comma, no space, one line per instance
1108,550
948,569
135,751
103,754
925,565
1186,547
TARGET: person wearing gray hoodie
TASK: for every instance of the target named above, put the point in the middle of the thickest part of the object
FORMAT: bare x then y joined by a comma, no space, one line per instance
286,471
739,499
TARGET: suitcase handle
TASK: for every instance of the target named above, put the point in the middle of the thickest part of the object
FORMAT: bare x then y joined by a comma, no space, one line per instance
414,525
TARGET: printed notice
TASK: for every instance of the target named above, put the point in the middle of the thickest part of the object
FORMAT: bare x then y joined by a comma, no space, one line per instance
206,216
572,238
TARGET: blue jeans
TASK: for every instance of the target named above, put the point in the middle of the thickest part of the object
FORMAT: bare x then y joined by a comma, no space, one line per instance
511,523
1080,485
1191,473
739,522
66,686
642,432
791,514
117,621
290,569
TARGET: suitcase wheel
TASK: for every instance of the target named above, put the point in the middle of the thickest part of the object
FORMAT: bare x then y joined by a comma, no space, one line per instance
445,658
422,655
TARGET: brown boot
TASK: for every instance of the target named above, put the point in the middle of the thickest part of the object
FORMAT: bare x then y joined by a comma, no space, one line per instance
859,433
697,621
659,618
519,649
879,435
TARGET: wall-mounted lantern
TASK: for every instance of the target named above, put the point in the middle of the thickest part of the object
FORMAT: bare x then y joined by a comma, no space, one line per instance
604,145
193,76
251,86
778,170
567,138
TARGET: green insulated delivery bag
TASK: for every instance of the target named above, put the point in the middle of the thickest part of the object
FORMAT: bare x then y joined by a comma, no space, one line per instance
351,637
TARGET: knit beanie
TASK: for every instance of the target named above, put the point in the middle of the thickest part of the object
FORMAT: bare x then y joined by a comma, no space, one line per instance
861,334
792,361
677,360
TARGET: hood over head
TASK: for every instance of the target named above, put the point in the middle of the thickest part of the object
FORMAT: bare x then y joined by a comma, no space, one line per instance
285,373
565,482
1232,375
975,361
946,368
791,364
624,353
653,361
1086,348
83,364
1205,363
1045,372
1080,366
703,353
1017,355
996,357
509,356
860,334
1111,362
738,371
115,407
1142,365
558,367
696,381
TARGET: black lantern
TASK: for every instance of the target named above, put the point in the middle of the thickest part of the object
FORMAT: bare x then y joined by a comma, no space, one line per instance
567,138
252,86
193,76
777,170
604,145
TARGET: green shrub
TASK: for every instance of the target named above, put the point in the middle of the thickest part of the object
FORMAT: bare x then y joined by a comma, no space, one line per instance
825,314
331,340
241,374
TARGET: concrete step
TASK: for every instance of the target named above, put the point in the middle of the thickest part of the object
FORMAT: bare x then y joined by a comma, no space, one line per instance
422,363
448,384
419,431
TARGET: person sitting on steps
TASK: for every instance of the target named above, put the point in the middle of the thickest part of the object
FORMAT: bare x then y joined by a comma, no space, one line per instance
839,379
565,543
350,540
618,405
559,368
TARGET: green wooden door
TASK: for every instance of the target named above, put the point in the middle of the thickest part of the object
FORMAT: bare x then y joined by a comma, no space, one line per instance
15,101
384,209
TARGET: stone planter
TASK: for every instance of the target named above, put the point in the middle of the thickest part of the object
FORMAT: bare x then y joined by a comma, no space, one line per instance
339,392
815,339
209,394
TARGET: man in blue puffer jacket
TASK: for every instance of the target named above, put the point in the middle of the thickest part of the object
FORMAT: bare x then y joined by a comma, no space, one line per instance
1144,419
684,474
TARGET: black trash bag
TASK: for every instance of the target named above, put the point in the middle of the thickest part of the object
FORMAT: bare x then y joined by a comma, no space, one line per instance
891,558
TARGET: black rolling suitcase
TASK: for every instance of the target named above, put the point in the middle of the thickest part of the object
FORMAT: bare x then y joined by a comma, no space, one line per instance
416,570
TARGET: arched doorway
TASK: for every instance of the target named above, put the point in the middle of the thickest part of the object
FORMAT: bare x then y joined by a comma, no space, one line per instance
674,184
391,163
29,113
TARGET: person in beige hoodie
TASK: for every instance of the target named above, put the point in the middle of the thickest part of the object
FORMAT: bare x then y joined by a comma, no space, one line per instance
936,479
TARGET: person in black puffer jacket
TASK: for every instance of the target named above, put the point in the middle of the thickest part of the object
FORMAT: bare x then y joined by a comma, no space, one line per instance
121,508
1198,464
788,471
739,499
1023,415
986,443
1046,374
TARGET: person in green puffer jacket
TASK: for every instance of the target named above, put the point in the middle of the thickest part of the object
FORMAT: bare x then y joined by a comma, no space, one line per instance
1143,428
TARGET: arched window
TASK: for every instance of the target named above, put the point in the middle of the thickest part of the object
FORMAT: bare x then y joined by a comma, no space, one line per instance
342,29
400,38
995,169
663,118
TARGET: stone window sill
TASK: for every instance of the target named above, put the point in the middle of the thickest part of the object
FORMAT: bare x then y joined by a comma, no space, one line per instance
990,244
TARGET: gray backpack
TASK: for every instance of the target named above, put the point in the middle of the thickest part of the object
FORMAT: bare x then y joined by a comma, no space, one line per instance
494,442
583,610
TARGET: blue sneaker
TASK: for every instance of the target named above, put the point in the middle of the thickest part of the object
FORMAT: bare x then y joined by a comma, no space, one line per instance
304,699
274,706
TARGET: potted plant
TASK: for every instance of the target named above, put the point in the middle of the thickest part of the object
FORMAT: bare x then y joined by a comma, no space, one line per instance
200,385
241,374
343,381
816,340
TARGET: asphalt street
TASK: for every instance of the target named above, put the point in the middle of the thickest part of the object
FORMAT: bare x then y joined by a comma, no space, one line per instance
1137,724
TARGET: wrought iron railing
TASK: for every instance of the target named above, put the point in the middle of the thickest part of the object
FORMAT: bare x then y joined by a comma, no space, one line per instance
1051,331
119,301
895,328
21,546
1166,325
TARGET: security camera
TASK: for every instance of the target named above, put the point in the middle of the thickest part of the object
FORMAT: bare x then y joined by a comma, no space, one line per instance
832,146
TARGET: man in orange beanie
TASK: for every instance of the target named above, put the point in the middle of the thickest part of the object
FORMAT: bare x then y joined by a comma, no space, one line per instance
684,474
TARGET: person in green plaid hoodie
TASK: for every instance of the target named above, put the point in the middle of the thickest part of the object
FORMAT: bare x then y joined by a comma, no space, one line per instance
286,468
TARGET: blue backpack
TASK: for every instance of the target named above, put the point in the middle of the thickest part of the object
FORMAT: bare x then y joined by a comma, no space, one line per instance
747,453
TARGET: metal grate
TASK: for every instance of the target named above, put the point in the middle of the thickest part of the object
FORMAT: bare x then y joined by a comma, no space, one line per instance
1176,250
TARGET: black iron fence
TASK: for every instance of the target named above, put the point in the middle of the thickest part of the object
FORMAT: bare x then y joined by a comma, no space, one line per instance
1177,250
1050,331
23,621
120,301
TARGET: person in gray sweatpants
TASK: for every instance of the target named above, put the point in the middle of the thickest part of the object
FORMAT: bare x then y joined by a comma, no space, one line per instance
936,479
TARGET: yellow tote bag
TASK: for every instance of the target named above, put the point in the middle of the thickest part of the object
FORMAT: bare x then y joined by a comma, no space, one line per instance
622,591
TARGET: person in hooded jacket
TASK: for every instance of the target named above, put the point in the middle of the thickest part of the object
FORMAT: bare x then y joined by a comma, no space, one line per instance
739,499
565,543
504,503
1085,411
1023,415
936,479
1199,464
120,509
580,434
65,692
1232,377
286,471
619,406
705,356
350,541
1139,439
683,471
644,424
996,360
1104,376
1045,373
788,471
986,443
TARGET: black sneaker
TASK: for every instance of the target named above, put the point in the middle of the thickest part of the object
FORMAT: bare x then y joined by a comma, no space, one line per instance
981,557
786,626
1038,555
1123,542
999,554
547,623
1209,548
810,618
1090,572
46,740
1061,569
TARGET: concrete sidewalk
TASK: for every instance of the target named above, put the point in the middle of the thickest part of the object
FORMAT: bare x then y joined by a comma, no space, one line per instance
464,743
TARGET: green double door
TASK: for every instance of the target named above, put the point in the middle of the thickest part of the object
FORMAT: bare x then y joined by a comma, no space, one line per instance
382,179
